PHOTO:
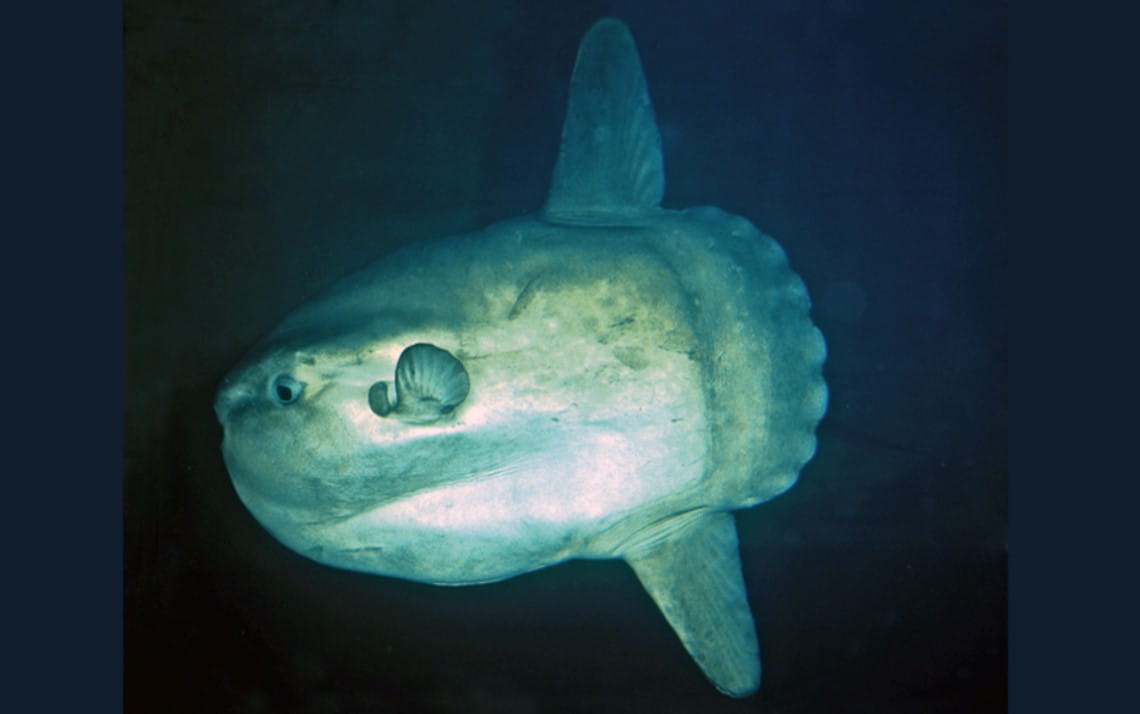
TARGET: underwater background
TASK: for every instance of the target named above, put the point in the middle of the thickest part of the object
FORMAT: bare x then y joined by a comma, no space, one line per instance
273,147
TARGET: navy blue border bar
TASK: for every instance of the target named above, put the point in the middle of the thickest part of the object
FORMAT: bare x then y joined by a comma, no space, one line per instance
1073,497
62,519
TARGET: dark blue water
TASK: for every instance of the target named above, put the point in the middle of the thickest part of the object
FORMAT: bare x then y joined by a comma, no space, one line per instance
274,147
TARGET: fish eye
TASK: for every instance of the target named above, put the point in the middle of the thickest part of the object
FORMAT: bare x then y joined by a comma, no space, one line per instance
283,389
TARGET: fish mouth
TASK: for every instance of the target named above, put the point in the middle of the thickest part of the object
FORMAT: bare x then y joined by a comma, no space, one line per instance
230,395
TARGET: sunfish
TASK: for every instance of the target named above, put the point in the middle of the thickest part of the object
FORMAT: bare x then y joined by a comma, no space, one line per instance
604,379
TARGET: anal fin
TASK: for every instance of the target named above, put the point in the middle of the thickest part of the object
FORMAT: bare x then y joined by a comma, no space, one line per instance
694,577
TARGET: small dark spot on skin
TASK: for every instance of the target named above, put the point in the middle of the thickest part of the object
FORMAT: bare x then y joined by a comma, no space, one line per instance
631,357
306,359
526,296
614,330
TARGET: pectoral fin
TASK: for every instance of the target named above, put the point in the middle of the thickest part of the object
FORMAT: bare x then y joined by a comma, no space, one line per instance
694,577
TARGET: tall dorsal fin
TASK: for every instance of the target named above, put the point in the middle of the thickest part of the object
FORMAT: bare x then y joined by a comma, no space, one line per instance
609,168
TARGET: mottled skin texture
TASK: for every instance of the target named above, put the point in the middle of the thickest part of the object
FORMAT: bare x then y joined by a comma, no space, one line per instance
585,410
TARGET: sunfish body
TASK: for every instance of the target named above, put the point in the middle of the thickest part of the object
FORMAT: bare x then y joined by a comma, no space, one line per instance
606,379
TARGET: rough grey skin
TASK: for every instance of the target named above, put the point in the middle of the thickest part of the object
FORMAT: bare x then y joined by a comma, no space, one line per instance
605,379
